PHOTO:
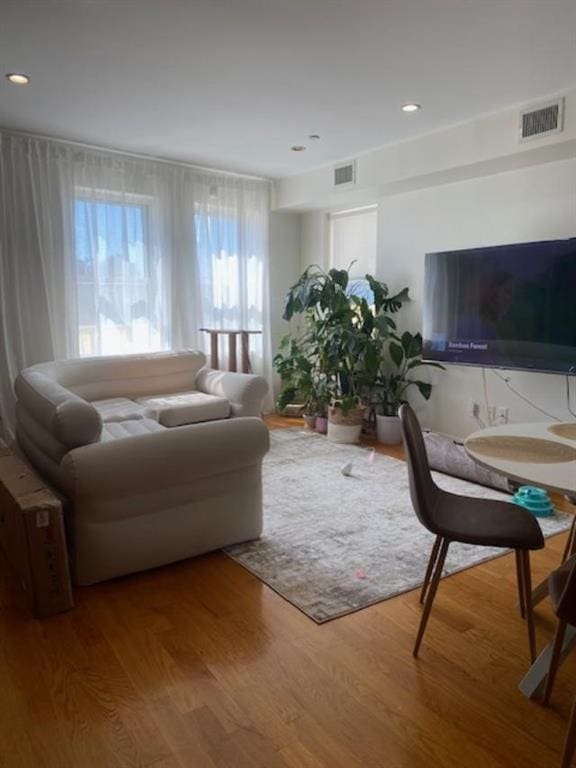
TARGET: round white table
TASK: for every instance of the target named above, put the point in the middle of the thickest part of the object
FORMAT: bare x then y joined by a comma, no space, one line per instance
529,453
542,454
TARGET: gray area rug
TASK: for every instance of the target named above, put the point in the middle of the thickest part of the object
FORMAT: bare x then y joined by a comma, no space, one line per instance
333,544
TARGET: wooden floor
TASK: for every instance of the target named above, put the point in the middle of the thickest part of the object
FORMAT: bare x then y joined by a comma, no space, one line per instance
199,665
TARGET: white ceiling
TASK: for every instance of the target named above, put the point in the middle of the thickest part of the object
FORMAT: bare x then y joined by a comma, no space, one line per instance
234,83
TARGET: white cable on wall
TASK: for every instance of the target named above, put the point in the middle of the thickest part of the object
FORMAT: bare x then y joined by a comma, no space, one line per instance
506,381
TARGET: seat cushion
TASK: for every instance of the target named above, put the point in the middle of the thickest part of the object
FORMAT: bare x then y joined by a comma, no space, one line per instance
119,409
179,408
116,430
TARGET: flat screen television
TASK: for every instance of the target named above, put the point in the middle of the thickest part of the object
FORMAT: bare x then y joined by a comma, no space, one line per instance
511,306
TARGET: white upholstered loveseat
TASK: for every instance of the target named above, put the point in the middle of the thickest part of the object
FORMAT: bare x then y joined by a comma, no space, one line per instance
159,456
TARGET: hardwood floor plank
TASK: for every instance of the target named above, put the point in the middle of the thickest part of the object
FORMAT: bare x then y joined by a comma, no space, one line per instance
200,665
183,740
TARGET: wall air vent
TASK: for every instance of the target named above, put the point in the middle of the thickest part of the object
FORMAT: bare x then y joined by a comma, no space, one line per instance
542,120
345,175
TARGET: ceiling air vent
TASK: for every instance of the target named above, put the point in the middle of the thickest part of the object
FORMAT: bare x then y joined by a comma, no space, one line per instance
345,175
542,120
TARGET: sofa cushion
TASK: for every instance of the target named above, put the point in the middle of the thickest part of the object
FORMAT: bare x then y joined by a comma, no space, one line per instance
69,418
99,378
119,409
175,410
116,430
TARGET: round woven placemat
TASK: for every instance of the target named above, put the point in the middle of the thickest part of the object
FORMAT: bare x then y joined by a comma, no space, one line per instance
564,430
531,450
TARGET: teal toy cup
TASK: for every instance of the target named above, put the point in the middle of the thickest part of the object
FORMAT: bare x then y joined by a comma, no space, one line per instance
535,500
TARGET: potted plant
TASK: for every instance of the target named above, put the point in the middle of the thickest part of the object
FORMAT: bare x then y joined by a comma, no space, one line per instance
297,374
322,402
342,337
394,381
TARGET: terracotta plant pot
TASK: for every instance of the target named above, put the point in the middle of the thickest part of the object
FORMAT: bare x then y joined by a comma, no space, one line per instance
345,428
309,420
388,429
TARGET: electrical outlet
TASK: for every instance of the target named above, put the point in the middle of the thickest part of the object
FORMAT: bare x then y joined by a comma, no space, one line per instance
501,415
491,414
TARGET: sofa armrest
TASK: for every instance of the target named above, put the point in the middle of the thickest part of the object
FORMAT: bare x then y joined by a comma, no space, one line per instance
67,417
245,391
164,459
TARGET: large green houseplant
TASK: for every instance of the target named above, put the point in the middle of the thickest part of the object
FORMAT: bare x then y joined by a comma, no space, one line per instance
398,374
342,335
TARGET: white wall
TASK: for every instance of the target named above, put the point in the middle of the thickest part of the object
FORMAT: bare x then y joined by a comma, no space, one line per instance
284,267
530,204
353,241
314,240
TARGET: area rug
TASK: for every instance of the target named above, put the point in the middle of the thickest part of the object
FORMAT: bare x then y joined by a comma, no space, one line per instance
334,543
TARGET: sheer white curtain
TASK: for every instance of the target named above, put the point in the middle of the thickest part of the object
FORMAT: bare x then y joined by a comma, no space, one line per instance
37,317
104,253
231,218
122,261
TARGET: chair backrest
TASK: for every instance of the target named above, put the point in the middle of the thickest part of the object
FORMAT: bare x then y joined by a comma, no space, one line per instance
423,490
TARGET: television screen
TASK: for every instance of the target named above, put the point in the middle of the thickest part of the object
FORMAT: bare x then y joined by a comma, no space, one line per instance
510,306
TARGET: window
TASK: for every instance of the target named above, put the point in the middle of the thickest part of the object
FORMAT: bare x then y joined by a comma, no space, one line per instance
117,280
232,286
231,257
353,239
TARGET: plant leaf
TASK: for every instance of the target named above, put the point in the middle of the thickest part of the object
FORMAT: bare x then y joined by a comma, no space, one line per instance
424,388
394,303
417,363
285,397
339,276
396,353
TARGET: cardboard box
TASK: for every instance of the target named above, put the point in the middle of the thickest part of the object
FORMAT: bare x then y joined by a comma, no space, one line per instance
32,536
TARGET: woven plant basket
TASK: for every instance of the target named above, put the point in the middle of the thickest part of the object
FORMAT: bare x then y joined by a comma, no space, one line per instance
354,416
345,428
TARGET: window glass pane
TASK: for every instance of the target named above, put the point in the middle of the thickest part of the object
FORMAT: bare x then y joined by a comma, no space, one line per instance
117,300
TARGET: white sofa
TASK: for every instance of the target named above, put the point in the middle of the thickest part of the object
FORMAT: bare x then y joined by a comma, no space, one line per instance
159,456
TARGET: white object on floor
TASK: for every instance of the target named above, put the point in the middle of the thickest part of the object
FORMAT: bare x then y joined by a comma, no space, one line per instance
347,469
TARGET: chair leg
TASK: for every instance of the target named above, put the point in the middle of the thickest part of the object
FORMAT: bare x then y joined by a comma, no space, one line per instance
430,568
527,581
431,593
520,579
570,541
570,740
554,661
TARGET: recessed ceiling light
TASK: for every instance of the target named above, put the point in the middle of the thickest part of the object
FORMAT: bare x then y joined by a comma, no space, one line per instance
17,78
297,148
410,107
314,136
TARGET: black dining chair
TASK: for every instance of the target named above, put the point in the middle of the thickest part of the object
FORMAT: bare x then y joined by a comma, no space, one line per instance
562,591
454,518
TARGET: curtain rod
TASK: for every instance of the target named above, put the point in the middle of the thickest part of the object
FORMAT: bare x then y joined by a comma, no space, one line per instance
136,155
